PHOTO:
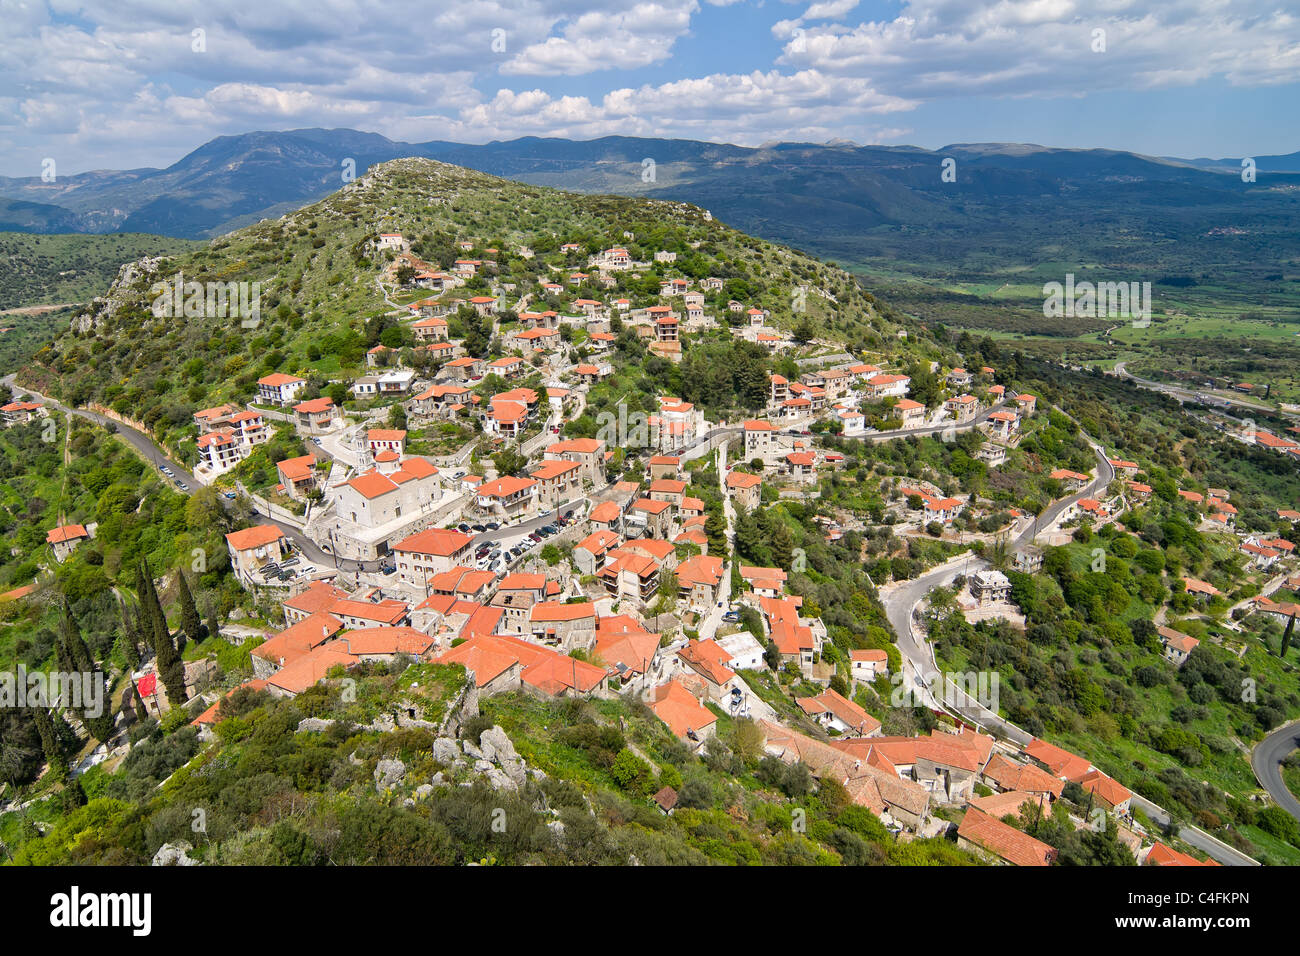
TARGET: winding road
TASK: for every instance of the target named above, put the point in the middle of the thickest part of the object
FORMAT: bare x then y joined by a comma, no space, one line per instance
1266,761
901,602
152,453
918,661
1189,394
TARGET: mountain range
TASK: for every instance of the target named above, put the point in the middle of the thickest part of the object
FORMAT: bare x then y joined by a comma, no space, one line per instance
888,210
232,180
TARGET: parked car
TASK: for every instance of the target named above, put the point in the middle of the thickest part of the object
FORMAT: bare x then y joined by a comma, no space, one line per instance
535,536
493,526
228,494
463,528
480,528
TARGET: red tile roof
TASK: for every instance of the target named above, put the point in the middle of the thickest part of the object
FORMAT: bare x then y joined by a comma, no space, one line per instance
258,536
1004,841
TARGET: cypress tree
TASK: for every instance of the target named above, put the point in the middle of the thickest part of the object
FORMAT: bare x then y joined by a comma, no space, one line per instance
52,745
128,641
171,669
191,626
214,622
151,610
1286,636
100,725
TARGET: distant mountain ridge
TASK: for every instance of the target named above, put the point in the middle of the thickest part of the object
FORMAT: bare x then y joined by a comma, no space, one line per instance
232,180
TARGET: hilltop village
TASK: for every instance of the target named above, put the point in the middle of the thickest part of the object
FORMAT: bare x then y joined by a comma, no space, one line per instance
497,495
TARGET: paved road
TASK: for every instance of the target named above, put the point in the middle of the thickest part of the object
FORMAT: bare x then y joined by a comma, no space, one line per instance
1266,762
1214,847
153,453
692,450
142,442
1189,394
900,602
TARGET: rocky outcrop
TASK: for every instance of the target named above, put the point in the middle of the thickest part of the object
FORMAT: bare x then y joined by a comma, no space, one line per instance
389,774
174,854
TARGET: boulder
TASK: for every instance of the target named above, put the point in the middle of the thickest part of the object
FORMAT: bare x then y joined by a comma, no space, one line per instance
445,750
174,854
389,774
496,738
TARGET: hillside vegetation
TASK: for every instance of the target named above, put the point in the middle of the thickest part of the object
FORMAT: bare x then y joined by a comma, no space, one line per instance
321,307
54,270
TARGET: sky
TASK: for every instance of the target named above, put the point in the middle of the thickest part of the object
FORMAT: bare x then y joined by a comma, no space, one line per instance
116,84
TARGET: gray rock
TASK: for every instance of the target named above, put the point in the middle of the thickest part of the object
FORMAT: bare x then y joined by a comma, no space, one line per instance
483,766
498,780
471,750
423,790
439,779
316,724
445,750
389,774
515,770
496,738
174,854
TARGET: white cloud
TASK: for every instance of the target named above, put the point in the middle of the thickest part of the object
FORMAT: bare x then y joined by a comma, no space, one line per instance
939,48
745,109
115,82
638,36
829,9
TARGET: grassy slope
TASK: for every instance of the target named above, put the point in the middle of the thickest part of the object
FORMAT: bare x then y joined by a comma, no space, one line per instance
56,269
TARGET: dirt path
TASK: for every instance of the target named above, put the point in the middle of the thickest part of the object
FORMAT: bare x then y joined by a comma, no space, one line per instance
37,309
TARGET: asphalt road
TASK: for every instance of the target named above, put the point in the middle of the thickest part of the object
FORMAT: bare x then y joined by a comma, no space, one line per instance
154,454
1266,762
1189,394
900,602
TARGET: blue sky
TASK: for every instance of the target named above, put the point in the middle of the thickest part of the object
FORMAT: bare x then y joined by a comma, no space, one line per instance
99,84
